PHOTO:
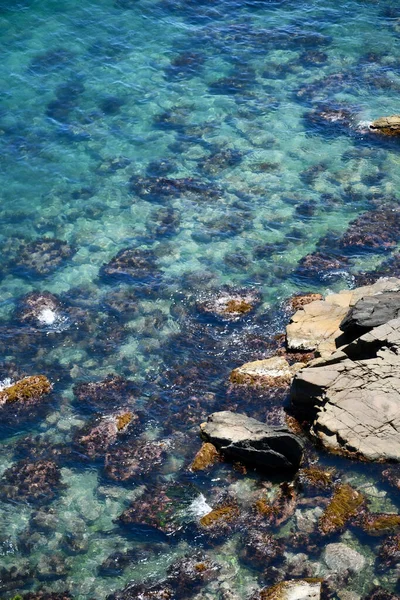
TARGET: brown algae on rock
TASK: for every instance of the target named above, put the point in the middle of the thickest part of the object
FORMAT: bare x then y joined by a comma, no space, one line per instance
224,514
122,421
345,504
29,388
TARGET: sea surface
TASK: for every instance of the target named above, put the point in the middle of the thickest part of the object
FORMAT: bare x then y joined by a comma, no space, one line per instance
222,141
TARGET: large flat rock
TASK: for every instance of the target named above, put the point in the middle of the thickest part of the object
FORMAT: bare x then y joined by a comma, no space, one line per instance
245,439
355,394
316,326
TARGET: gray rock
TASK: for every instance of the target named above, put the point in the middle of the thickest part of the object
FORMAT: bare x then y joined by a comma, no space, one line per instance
245,439
355,396
341,559
370,312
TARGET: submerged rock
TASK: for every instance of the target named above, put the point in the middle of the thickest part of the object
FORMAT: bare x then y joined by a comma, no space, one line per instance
259,549
294,589
107,395
269,372
95,439
39,309
389,126
136,459
162,507
188,574
342,559
380,523
26,481
131,263
242,438
230,304
44,595
27,391
43,256
144,591
389,553
161,188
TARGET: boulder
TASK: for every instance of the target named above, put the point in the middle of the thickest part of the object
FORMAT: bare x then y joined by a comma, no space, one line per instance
370,312
356,395
341,559
28,390
316,326
293,589
242,438
386,125
269,372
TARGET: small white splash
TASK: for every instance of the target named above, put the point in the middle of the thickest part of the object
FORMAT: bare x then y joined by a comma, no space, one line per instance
199,507
363,126
6,383
47,316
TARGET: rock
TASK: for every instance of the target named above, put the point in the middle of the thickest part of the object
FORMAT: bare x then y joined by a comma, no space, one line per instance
293,589
247,440
188,574
230,304
316,326
95,439
345,505
106,395
33,482
389,553
269,372
39,309
379,593
137,458
259,549
27,391
355,395
43,256
131,264
207,456
163,507
283,506
341,559
386,125
44,595
143,591
370,312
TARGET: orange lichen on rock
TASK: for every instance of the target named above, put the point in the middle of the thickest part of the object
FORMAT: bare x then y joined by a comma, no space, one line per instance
29,388
123,420
345,504
207,456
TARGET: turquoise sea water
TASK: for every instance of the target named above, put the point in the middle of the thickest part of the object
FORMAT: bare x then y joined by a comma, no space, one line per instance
101,101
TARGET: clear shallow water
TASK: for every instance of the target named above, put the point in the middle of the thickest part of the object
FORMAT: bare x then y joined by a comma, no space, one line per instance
98,95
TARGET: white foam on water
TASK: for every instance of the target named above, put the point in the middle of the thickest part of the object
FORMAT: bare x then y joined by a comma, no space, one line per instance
199,507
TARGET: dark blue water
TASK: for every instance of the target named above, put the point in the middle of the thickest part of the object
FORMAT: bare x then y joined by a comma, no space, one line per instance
225,143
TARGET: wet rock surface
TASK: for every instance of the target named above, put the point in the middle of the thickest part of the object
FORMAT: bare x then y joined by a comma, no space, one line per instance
371,312
43,256
34,482
242,438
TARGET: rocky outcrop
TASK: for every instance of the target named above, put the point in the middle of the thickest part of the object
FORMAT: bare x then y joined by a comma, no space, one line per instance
389,126
229,304
244,439
355,393
316,326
